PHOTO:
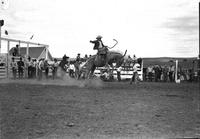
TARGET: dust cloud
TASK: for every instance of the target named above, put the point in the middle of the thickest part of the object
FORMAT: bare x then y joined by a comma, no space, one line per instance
63,79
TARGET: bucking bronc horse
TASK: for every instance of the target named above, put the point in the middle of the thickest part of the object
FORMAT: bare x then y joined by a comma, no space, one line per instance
96,61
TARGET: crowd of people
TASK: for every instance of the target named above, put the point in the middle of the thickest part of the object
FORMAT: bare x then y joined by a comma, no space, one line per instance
31,68
166,73
153,73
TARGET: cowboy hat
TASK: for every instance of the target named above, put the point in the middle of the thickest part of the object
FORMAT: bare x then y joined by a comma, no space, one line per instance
99,37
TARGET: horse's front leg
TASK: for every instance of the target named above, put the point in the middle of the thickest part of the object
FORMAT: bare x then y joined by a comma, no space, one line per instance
88,75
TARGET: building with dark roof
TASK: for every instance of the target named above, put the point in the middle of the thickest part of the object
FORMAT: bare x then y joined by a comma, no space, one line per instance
34,52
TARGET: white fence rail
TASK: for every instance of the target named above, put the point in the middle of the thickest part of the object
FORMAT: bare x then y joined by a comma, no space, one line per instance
3,72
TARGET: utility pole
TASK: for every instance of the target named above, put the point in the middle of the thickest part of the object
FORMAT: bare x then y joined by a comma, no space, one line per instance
199,63
198,59
199,34
1,24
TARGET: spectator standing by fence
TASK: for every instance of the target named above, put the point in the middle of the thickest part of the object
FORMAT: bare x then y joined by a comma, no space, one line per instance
135,77
150,73
171,73
13,65
20,65
78,57
16,51
134,58
40,68
34,69
30,66
77,65
128,62
46,68
85,58
71,69
119,69
54,68
157,70
165,73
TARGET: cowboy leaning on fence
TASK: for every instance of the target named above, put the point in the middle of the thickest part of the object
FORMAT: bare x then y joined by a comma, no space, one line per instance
40,68
20,65
13,65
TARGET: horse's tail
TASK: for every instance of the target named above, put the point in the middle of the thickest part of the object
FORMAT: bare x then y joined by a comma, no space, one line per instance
124,54
121,59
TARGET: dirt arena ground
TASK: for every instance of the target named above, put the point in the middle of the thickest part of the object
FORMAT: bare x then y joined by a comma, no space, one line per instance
99,110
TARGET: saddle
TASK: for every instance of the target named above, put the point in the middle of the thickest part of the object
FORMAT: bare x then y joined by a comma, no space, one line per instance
101,59
102,51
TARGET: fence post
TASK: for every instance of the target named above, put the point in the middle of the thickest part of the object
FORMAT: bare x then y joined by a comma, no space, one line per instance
19,48
47,51
7,61
176,74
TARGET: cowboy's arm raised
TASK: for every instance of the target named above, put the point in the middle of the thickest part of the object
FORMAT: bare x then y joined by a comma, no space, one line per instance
93,41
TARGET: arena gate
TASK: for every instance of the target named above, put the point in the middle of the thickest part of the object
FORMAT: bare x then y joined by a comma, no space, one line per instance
5,58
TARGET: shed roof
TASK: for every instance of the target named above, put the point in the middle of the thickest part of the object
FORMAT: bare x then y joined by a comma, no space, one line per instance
34,52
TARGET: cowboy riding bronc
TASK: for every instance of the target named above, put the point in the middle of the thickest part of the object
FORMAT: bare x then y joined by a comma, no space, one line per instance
102,49
103,58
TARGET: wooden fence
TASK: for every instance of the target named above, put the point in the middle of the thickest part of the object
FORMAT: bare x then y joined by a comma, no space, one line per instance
5,69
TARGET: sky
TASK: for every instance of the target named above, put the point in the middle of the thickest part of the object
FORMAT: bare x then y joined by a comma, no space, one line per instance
145,28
